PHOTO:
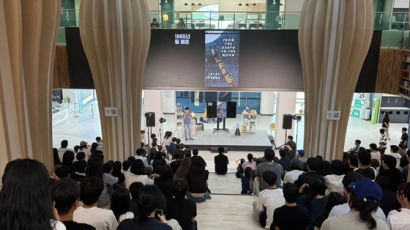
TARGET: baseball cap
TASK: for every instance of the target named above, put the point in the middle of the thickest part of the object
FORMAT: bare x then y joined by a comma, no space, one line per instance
367,190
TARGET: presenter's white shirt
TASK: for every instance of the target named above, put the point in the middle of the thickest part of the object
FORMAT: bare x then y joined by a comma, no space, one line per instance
101,219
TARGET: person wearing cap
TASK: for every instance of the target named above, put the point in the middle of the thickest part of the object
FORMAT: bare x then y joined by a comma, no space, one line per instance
394,151
401,220
343,209
363,202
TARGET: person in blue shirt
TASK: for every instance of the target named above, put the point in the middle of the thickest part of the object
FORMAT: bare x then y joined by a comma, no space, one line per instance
187,124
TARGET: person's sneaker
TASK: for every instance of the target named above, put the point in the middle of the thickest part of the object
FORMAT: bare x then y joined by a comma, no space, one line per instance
209,197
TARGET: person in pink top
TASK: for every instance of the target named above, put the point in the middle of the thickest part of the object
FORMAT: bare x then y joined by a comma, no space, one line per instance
250,163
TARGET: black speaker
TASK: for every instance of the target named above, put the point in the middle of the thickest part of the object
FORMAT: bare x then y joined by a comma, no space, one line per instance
287,121
150,117
211,109
231,107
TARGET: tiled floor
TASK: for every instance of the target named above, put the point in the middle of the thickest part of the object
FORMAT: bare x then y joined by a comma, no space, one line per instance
225,212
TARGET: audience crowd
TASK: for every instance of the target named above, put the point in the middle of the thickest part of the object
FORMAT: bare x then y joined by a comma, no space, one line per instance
159,186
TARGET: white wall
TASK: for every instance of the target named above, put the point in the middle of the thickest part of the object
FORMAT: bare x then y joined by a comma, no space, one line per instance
286,103
152,103
153,5
168,101
401,4
267,102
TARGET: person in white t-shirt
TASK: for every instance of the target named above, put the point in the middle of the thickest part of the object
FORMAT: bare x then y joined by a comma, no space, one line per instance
64,148
333,181
400,220
269,199
293,174
137,173
100,143
89,213
343,209
394,151
141,156
25,199
374,153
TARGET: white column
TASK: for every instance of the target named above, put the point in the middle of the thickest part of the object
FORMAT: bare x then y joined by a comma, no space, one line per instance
267,103
152,103
168,101
286,104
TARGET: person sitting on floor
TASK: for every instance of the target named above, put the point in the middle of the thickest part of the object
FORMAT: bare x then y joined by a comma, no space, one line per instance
290,216
401,220
269,165
89,213
221,162
179,208
66,197
269,199
364,158
363,202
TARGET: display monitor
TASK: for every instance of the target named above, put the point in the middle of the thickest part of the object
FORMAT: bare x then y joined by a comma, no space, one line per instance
222,59
221,109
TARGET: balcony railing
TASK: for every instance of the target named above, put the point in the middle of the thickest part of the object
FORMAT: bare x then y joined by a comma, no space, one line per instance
395,26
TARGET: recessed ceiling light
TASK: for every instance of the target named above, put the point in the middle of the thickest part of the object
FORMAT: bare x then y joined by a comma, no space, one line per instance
240,4
186,4
247,4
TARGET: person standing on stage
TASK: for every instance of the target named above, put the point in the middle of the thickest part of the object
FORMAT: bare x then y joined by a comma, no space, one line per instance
187,124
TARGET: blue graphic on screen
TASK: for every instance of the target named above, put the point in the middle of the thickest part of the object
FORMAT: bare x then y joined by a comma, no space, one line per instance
221,109
222,58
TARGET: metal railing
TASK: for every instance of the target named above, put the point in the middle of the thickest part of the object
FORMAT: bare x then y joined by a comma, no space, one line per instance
395,26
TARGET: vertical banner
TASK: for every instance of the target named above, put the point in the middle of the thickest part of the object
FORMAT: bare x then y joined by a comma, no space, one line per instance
222,58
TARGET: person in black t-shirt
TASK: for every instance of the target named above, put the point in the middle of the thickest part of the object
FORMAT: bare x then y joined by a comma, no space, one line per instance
364,159
66,195
291,147
290,216
179,208
404,138
221,162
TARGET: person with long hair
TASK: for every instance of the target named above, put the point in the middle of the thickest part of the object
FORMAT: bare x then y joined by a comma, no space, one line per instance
386,124
250,163
197,182
25,198
151,204
165,179
120,204
116,171
334,198
183,169
363,202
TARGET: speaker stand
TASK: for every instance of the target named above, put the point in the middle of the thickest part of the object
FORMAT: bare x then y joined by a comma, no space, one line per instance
224,129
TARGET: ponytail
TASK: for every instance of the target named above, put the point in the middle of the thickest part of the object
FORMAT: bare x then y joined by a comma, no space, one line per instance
365,208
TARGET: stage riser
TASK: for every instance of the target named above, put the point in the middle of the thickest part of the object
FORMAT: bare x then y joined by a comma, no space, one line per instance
214,149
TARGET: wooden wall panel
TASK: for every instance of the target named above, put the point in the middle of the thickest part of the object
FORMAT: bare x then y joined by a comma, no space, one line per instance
61,76
389,70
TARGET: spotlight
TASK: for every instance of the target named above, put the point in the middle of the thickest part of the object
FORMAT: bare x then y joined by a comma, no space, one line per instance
186,4
193,4
247,4
240,4
162,120
200,4
254,4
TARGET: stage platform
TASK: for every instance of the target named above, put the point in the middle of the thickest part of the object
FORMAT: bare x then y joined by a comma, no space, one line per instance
207,140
